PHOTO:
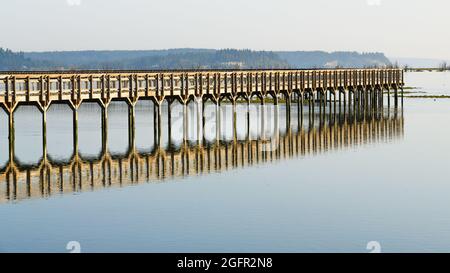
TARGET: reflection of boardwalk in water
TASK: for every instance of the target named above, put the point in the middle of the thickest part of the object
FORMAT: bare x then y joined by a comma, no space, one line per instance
48,177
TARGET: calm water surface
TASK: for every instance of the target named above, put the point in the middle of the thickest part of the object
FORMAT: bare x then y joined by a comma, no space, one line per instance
335,196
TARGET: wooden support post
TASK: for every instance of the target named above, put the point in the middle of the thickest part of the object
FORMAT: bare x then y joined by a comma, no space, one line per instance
401,88
263,129
169,121
234,121
155,123
185,123
158,117
396,97
313,104
299,108
389,97
203,117
44,132
288,115
324,98
288,105
277,125
347,100
301,98
358,100
218,137
131,126
381,97
319,98
366,98
75,130
248,118
11,135
339,99
199,120
334,102
309,105
104,127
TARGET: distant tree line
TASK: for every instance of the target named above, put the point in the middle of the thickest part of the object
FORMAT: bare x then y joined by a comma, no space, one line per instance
199,60
10,60
13,61
187,59
444,66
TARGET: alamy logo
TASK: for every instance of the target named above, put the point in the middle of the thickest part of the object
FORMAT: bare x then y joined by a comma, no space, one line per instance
374,247
73,247
374,2
73,2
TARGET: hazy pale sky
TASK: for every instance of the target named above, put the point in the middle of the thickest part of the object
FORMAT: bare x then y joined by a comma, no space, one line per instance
399,28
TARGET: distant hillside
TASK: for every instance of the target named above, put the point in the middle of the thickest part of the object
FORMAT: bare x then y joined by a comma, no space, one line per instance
186,58
199,60
95,57
17,61
161,59
321,59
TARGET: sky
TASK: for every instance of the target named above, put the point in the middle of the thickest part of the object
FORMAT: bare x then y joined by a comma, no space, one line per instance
398,28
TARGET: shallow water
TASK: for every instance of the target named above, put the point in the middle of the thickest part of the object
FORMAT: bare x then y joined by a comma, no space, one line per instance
429,83
333,185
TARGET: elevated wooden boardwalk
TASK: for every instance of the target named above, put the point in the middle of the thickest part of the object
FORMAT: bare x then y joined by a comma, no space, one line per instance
363,89
74,87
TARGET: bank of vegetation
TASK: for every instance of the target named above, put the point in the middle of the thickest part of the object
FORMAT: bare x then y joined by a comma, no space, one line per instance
187,59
